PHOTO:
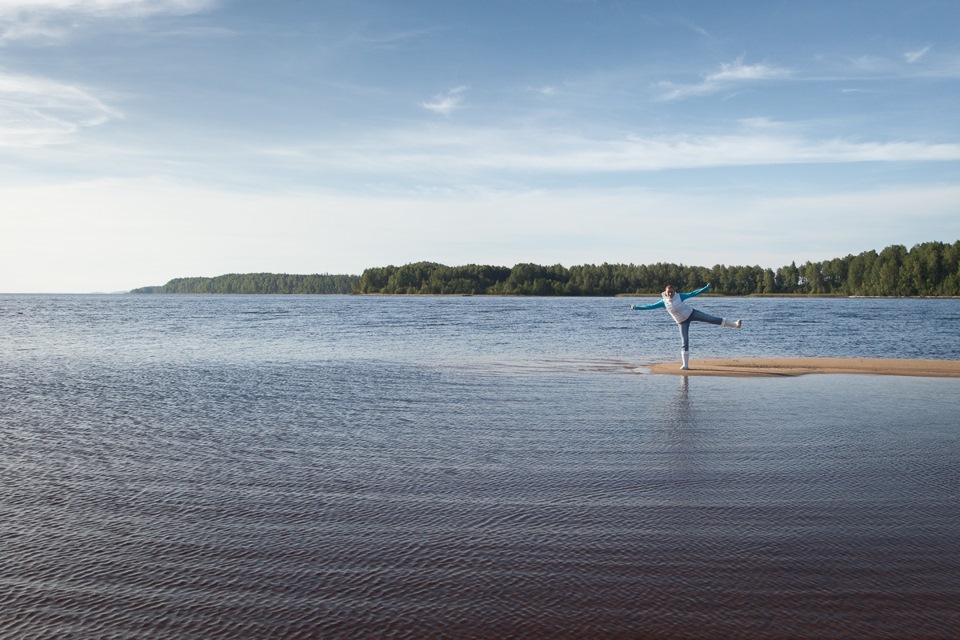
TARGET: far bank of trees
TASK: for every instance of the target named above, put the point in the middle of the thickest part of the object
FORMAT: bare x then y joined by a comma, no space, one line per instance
259,283
927,269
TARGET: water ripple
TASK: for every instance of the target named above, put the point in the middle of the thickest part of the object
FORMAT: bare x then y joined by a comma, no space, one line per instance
199,496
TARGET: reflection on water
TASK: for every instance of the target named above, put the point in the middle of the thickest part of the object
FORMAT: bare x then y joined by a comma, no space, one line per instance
199,489
683,400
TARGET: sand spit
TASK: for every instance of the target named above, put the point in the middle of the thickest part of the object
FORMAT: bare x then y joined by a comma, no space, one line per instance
784,367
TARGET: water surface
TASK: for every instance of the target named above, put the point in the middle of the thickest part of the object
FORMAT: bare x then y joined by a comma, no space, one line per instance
323,467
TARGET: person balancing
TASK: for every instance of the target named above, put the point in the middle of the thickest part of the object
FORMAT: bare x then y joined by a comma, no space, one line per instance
684,314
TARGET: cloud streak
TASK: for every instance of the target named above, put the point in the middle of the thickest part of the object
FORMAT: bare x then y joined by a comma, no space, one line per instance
915,56
37,111
480,152
51,20
102,8
446,103
729,76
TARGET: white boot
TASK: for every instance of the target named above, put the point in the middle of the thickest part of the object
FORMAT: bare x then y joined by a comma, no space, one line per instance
730,323
685,358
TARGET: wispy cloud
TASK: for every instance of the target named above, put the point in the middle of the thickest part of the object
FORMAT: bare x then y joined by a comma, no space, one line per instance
446,103
915,56
695,28
104,7
47,20
730,75
545,90
936,64
391,40
37,111
483,154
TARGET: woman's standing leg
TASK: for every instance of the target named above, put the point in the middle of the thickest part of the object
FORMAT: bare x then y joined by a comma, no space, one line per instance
685,344
698,316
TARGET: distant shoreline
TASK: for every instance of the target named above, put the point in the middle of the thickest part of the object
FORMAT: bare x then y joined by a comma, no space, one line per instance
928,269
522,295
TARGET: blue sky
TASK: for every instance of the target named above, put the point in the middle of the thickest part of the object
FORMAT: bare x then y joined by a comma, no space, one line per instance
142,140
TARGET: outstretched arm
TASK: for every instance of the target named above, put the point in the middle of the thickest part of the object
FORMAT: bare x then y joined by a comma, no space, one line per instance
647,306
684,296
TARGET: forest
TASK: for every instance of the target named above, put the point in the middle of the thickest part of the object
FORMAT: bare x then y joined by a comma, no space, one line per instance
927,269
258,283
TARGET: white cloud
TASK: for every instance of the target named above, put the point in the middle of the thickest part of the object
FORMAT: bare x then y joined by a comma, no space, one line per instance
936,64
447,151
545,90
103,8
914,56
54,19
446,103
730,75
37,111
390,40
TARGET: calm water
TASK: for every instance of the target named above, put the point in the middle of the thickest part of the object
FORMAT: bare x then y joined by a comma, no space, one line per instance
340,467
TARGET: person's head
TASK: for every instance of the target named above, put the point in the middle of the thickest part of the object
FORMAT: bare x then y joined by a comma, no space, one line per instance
669,290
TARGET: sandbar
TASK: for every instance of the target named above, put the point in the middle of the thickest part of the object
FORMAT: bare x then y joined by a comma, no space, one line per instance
787,367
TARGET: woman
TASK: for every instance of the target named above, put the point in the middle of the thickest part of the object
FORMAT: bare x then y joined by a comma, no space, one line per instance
674,303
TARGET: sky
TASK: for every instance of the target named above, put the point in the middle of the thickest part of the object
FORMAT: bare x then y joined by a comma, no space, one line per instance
145,140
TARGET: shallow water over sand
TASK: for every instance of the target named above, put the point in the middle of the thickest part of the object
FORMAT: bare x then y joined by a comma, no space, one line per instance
355,467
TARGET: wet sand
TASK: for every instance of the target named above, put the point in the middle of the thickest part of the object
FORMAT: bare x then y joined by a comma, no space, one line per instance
782,367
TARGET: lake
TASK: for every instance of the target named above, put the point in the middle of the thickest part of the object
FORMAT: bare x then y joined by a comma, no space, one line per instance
471,467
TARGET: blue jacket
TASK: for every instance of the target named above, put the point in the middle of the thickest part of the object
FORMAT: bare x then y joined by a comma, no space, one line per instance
683,296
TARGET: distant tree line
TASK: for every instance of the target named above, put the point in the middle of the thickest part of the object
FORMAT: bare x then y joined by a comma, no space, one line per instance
927,269
258,283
